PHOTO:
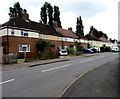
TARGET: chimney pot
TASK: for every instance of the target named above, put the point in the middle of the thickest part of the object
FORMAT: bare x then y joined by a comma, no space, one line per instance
70,28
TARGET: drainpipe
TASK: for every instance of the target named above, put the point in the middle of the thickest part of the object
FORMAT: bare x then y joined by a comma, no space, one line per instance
7,51
62,43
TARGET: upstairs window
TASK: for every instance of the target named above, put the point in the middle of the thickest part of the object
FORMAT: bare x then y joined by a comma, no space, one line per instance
59,38
12,32
24,33
24,48
45,36
65,39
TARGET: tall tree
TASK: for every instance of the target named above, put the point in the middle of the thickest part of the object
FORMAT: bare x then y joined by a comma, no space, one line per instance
16,11
97,33
50,14
57,16
79,27
43,13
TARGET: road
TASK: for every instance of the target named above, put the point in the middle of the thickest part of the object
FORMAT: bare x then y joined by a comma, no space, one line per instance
99,82
49,80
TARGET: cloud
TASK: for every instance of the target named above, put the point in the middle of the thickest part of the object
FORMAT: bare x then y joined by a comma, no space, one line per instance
68,20
102,14
85,9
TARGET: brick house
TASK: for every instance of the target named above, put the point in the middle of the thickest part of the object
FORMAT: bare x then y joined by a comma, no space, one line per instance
92,40
70,37
98,42
21,34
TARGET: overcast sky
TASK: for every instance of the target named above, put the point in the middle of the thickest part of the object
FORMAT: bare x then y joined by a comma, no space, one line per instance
102,14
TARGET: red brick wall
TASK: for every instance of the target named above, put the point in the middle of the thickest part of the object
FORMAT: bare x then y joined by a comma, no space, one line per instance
85,44
14,43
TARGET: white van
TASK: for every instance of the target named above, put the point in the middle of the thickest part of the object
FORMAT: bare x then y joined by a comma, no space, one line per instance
115,49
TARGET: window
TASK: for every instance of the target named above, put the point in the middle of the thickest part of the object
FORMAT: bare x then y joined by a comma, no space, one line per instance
24,48
59,38
24,33
12,32
45,36
65,47
65,39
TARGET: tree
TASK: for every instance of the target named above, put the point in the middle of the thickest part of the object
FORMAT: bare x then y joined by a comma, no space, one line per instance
57,16
43,45
43,13
91,29
79,47
16,11
79,27
49,13
97,33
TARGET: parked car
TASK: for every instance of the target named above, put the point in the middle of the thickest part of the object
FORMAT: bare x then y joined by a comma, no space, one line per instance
115,49
63,52
87,51
94,50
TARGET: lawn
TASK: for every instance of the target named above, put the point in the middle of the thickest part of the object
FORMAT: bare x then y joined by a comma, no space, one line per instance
21,60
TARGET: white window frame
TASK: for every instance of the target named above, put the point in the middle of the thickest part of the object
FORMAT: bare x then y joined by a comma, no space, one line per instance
59,38
65,39
45,37
21,50
24,32
12,32
65,47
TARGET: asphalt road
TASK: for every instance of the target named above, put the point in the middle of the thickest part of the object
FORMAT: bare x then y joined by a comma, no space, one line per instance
49,80
99,82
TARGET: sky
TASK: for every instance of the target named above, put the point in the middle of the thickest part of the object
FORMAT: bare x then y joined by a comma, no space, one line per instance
102,14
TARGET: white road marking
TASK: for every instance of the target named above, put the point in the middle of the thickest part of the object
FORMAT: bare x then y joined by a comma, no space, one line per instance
56,68
86,60
6,81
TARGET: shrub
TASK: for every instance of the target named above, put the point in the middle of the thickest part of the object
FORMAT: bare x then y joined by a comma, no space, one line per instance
79,48
105,48
70,50
48,55
21,56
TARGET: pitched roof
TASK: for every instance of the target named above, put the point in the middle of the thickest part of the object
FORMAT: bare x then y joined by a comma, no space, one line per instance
91,37
66,33
81,36
28,24
104,39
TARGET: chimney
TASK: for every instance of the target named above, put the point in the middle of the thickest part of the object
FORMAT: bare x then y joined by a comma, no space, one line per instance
55,24
70,28
25,15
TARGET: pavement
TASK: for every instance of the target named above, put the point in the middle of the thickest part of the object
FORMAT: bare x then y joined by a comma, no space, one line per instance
20,65
102,81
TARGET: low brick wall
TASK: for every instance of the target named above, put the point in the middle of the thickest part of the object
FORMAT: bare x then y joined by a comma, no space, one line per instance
9,58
